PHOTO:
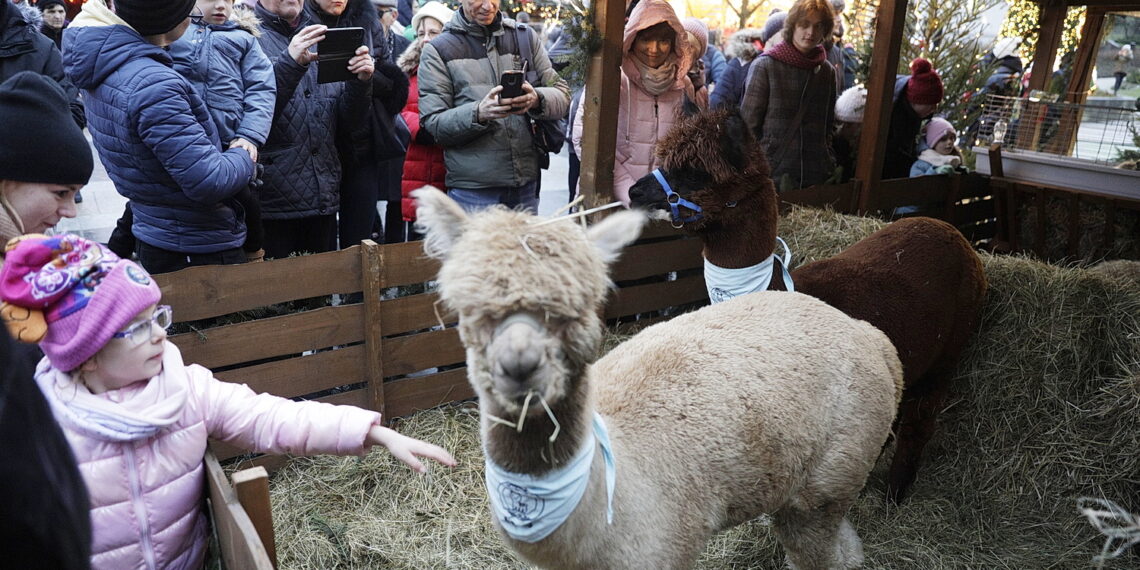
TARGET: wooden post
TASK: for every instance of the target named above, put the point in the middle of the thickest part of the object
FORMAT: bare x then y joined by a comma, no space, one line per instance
880,90
371,260
252,489
1078,88
600,106
1051,24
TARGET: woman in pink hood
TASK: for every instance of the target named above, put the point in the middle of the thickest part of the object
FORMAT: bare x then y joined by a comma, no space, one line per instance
137,417
654,83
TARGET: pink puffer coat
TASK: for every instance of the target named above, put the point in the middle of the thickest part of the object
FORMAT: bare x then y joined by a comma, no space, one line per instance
643,118
140,451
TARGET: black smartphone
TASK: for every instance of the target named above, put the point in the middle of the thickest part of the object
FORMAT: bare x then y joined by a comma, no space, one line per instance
512,82
334,51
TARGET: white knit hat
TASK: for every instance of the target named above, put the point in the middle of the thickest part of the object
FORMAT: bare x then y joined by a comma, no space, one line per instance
435,10
849,107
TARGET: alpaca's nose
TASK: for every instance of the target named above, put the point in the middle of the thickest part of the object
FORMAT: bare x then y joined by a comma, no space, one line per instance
515,351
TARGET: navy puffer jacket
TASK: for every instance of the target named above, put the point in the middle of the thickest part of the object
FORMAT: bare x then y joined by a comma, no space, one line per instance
302,165
155,138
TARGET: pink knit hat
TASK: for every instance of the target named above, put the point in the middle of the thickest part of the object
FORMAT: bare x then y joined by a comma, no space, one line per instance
936,129
701,31
75,287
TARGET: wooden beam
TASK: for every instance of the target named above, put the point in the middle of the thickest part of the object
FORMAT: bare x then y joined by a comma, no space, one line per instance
1107,5
880,89
371,262
1050,26
1078,89
600,106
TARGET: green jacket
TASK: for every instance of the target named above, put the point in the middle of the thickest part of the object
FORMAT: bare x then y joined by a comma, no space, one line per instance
500,152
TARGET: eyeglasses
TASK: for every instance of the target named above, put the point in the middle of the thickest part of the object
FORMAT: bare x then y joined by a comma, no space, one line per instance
139,333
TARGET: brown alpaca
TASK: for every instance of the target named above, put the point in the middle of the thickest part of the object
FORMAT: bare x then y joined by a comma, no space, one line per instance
917,279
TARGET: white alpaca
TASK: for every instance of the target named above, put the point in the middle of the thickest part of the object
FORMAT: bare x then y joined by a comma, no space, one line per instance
771,403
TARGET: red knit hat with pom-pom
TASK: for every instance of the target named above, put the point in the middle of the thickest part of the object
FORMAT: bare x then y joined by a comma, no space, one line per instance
924,86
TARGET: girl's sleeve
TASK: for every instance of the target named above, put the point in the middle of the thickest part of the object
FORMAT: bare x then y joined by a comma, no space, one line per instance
264,423
260,88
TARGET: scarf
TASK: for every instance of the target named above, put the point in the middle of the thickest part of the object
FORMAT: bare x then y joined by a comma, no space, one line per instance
937,159
724,284
657,81
10,224
787,53
131,413
530,508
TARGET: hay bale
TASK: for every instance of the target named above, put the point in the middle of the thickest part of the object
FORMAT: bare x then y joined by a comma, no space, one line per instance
1047,410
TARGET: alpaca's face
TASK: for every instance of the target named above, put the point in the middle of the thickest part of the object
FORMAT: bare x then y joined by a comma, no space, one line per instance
527,292
692,184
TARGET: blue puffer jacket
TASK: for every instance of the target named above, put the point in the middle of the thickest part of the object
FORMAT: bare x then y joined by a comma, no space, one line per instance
226,66
302,164
154,136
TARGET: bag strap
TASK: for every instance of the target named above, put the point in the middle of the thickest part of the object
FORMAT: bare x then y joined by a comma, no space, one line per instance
522,39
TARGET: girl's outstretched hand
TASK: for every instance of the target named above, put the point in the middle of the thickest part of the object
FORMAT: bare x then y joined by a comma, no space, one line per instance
407,449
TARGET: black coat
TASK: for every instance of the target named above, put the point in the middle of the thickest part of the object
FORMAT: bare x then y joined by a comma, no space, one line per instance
46,521
24,48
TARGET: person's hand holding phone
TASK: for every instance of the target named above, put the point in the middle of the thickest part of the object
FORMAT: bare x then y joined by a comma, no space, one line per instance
522,103
490,107
362,64
302,42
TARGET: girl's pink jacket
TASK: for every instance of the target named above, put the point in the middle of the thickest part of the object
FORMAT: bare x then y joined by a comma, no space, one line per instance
147,493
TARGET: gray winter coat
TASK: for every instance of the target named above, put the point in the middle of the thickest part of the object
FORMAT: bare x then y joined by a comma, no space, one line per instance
774,93
500,152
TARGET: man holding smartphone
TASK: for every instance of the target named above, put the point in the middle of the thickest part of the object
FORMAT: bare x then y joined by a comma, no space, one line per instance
486,133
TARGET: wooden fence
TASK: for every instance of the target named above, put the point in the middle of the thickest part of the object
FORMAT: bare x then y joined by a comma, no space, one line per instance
276,326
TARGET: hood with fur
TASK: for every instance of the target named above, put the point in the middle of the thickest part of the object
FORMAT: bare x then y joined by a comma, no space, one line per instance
740,44
409,61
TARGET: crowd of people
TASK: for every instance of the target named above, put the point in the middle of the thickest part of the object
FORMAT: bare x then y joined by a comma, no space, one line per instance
234,141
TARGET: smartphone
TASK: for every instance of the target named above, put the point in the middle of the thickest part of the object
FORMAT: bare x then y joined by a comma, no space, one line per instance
512,82
334,51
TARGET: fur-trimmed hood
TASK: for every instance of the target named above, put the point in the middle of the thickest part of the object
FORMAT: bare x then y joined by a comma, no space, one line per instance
740,44
409,61
31,14
246,19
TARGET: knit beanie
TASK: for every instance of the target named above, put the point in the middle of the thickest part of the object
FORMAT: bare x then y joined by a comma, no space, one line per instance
924,86
37,119
772,27
435,10
153,17
44,4
849,107
936,129
701,31
70,294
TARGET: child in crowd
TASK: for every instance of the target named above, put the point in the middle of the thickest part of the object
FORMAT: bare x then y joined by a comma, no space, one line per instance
941,155
137,417
220,56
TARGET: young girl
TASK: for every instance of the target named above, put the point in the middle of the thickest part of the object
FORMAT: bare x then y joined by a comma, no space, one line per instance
137,417
942,157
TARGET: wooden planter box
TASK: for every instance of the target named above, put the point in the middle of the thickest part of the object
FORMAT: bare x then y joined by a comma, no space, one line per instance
1058,171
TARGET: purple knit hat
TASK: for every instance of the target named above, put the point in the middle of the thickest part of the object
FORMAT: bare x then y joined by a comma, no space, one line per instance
84,292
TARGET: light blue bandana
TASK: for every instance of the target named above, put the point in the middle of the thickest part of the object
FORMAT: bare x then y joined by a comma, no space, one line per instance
724,284
530,508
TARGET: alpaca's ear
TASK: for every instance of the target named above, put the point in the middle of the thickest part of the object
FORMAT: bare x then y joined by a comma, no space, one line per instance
439,219
735,141
615,232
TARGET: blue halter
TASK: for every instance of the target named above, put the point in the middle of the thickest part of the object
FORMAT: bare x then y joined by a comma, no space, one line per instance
676,200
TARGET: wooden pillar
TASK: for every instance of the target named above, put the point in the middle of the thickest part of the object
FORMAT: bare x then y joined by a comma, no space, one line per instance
600,106
1077,90
880,89
1051,25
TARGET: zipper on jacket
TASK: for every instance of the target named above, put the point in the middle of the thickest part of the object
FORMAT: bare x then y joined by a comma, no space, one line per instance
146,544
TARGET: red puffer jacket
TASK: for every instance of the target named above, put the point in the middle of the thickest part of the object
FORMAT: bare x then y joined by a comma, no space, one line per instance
424,162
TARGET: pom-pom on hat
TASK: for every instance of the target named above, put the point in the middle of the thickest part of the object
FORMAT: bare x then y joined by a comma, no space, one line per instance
849,107
435,10
936,129
36,116
70,294
153,17
924,86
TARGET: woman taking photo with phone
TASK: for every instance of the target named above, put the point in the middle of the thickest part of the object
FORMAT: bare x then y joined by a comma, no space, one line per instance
654,78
